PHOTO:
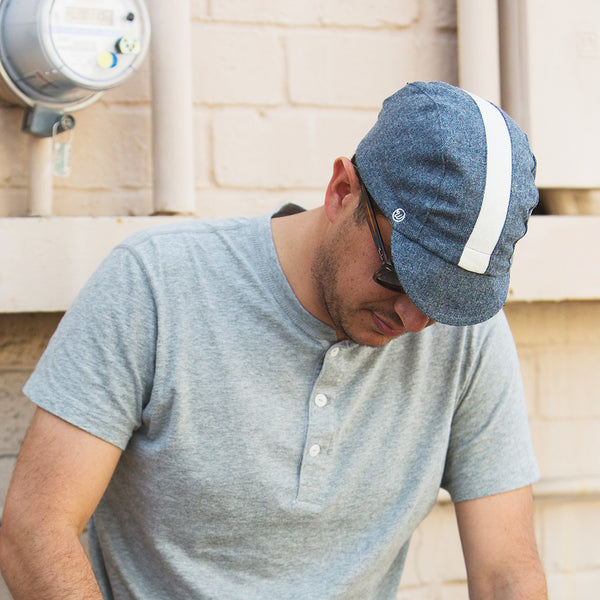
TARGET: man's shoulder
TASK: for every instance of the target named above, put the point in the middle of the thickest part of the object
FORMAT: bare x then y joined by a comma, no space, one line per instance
182,230
194,237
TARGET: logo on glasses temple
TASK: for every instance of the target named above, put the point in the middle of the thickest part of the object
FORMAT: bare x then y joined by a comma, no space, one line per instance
398,215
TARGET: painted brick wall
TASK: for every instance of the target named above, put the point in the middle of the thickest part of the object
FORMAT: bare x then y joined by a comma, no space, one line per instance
22,341
280,89
559,348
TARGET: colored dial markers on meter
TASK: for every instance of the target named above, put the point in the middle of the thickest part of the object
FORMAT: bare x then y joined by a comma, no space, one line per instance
128,45
107,60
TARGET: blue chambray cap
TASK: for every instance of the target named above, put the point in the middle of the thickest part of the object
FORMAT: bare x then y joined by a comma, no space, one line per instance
455,176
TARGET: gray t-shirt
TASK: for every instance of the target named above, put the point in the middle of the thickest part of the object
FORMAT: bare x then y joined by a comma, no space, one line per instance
262,458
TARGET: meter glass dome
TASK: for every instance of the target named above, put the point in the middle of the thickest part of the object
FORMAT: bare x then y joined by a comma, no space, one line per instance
98,43
63,52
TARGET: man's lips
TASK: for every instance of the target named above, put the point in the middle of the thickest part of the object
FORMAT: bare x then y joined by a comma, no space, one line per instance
384,328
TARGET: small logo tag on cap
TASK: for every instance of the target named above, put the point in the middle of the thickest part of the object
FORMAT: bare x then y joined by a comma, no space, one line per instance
399,215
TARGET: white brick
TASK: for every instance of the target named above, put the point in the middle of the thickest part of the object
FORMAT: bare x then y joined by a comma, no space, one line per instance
574,586
237,65
440,556
337,133
262,149
429,592
288,148
534,324
111,149
13,148
435,553
541,324
434,591
567,448
570,536
455,591
4,593
370,13
202,149
283,148
218,202
15,202
349,69
135,89
7,466
199,9
444,14
102,203
23,339
529,372
436,58
16,411
267,11
361,68
582,320
569,382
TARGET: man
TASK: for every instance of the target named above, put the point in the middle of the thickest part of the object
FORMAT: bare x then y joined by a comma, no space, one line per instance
266,408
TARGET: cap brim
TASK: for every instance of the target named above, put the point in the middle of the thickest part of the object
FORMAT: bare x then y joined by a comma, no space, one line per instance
443,291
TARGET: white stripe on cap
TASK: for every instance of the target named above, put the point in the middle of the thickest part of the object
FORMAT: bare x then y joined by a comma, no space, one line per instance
494,207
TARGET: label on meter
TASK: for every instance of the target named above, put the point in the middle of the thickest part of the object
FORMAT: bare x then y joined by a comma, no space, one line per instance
88,37
89,15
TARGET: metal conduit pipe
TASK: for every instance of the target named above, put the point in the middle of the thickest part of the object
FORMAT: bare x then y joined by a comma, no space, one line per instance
172,107
478,48
513,63
40,176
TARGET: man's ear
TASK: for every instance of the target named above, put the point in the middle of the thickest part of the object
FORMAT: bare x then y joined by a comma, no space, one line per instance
343,190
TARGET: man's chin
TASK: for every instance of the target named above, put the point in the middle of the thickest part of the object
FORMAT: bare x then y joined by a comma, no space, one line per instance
372,339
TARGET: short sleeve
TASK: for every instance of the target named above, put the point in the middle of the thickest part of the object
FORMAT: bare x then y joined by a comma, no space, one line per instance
98,368
490,449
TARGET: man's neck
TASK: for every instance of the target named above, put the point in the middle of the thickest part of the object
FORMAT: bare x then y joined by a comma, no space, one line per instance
296,238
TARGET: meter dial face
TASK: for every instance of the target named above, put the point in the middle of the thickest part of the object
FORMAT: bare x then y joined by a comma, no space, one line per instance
65,52
98,42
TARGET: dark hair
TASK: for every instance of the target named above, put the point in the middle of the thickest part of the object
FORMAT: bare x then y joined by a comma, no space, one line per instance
360,213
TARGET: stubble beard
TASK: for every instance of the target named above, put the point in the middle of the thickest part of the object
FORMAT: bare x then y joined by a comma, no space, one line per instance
349,322
324,271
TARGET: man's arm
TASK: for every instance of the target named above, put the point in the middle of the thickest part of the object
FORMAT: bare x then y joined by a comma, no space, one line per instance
60,476
499,546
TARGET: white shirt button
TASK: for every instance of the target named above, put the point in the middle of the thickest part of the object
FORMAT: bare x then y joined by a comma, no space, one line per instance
334,352
314,450
320,400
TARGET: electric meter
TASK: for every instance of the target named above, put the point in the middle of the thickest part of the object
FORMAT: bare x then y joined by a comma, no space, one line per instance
61,54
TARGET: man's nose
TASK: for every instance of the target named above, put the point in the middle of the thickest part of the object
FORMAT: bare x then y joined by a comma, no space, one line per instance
412,318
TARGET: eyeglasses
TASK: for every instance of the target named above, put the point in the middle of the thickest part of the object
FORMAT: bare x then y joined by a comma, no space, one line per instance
386,274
